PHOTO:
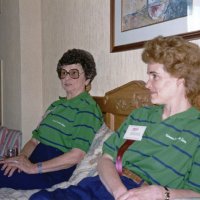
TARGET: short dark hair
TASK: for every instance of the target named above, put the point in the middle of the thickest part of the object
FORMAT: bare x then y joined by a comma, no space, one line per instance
79,56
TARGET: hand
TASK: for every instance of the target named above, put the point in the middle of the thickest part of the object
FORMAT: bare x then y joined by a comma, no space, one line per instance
151,192
20,162
9,170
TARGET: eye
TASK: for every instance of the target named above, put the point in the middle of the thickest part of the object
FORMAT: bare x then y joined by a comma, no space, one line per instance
154,76
63,72
74,72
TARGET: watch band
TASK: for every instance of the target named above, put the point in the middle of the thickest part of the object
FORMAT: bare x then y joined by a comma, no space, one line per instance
39,166
167,193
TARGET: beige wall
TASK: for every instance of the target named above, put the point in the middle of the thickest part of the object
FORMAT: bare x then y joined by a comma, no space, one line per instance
20,50
10,55
35,35
84,24
31,65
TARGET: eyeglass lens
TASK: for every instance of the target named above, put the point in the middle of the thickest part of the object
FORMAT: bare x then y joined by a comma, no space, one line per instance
73,73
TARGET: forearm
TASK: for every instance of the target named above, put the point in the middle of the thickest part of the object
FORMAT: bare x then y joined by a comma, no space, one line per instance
29,147
175,194
64,161
106,169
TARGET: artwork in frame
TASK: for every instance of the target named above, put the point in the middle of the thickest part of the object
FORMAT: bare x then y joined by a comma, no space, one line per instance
133,22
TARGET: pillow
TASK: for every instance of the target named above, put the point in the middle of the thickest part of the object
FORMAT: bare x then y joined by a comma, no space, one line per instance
87,167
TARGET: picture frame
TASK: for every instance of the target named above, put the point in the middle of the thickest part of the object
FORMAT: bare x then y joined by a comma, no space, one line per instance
189,28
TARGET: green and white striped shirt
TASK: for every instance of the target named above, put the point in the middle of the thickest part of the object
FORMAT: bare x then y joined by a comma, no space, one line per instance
70,123
169,152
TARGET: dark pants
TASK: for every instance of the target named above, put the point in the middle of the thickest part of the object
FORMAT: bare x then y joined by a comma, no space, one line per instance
90,188
37,181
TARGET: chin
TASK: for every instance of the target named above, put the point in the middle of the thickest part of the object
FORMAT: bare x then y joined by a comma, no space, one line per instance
155,101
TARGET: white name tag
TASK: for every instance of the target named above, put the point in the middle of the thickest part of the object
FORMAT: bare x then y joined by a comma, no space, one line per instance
134,132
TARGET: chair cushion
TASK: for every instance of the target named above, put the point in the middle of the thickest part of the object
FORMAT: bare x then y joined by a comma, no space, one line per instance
87,167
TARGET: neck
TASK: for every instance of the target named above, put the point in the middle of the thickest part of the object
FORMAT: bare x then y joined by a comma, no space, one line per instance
175,108
70,95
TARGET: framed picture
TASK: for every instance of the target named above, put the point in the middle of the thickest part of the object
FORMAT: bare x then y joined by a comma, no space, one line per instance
133,22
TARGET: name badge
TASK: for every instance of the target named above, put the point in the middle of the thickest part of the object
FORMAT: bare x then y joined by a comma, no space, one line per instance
134,132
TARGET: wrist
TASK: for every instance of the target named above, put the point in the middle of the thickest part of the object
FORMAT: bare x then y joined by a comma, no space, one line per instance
39,167
23,154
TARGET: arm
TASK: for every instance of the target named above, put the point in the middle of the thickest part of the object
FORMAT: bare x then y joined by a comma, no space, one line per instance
114,185
24,154
174,194
63,161
29,147
106,169
157,192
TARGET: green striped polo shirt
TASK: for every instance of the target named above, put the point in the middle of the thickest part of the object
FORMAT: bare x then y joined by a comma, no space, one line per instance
70,123
169,152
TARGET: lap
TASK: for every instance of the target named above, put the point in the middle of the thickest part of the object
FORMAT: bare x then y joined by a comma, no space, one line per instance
89,188
37,181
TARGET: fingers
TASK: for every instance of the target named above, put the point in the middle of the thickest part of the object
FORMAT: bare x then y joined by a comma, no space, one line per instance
145,192
9,170
3,166
12,170
19,163
9,166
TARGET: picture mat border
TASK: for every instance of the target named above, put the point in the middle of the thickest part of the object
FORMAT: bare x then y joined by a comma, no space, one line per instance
133,39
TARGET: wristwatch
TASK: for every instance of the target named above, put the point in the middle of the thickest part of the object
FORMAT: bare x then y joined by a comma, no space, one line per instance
167,194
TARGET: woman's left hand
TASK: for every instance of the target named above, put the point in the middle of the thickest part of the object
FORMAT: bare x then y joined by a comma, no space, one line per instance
151,192
20,163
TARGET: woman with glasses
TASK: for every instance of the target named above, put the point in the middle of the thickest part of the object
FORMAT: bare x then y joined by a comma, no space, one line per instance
155,154
65,133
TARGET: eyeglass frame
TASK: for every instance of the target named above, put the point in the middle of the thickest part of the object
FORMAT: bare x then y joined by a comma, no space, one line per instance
68,73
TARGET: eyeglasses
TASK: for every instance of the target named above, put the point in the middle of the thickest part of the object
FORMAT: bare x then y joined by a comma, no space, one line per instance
73,73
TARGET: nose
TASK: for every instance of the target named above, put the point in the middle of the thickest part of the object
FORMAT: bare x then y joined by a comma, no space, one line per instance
148,84
67,76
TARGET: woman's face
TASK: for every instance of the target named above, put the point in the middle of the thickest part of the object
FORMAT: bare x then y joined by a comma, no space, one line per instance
164,88
74,87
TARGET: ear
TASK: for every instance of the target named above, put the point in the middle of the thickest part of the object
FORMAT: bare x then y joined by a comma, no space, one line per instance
87,85
87,82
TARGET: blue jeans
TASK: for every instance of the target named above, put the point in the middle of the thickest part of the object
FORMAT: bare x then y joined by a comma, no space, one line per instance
37,181
90,188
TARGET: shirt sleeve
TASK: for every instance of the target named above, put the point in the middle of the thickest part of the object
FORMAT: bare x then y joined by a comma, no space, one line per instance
35,132
114,142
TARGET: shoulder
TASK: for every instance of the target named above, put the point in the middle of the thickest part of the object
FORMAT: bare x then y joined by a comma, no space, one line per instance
55,103
87,99
87,102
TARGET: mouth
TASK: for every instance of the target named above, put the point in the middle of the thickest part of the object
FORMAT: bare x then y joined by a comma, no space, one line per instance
67,84
152,93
